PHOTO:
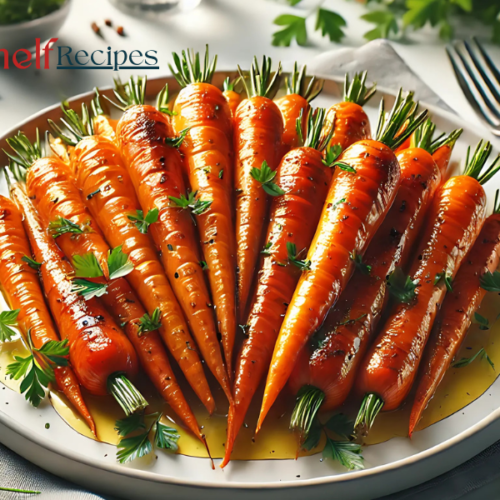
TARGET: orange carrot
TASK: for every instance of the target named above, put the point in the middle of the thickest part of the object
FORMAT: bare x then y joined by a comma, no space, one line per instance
474,278
203,117
362,191
388,370
296,102
441,152
258,129
22,291
232,97
304,179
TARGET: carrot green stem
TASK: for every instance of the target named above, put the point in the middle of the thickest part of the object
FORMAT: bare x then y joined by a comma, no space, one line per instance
14,490
496,203
308,402
26,152
315,135
474,165
370,408
95,105
296,81
356,90
79,126
126,394
261,80
132,93
189,69
444,140
393,129
422,138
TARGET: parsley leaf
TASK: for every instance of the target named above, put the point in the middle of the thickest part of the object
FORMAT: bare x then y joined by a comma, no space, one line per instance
481,354
294,29
61,226
196,205
176,142
385,23
331,154
150,323
358,262
166,437
87,266
341,425
56,351
446,278
314,436
8,318
119,264
330,24
129,424
31,262
265,176
88,289
142,223
490,281
483,322
344,166
345,452
266,248
401,287
134,447
303,265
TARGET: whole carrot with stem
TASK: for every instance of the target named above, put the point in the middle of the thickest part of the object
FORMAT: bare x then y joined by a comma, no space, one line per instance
258,130
324,375
363,188
203,117
351,123
473,280
20,285
304,177
156,170
101,356
297,100
389,368
232,97
442,149
105,183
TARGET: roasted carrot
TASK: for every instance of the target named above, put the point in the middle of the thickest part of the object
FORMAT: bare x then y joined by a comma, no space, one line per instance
202,115
299,94
101,356
362,191
441,152
457,312
102,122
232,97
324,374
350,120
389,368
258,130
22,291
304,178
105,183
155,168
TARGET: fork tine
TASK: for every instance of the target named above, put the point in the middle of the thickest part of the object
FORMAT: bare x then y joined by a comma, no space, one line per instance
493,86
488,60
475,89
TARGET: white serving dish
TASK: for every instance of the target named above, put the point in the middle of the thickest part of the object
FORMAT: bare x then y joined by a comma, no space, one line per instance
391,466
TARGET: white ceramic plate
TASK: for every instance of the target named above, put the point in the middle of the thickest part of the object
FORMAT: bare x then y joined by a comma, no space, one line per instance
391,466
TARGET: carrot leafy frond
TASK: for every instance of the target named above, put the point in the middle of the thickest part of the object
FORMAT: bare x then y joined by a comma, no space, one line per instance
177,141
496,203
26,152
445,140
296,83
303,265
481,354
129,94
31,262
126,394
314,130
79,126
475,163
395,127
370,408
150,323
95,105
61,226
266,176
162,102
356,90
308,402
188,68
422,137
261,80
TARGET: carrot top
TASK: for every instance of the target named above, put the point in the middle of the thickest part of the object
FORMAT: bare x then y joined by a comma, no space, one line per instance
312,130
26,153
474,165
356,90
79,126
189,69
444,140
395,127
296,83
261,81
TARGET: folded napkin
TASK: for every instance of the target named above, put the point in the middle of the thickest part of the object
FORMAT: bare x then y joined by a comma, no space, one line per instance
480,473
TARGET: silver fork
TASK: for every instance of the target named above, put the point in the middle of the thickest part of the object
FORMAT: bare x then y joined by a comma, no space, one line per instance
479,79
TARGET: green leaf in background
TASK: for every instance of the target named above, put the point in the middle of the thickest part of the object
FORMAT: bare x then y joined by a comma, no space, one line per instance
294,29
16,11
385,23
330,24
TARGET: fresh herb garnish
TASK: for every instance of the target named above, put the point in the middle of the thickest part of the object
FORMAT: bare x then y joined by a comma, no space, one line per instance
129,424
196,205
176,142
331,155
352,321
87,266
119,264
445,278
204,265
481,354
31,262
266,248
244,329
490,281
358,262
303,265
88,289
17,11
38,368
345,452
483,322
150,323
401,287
61,226
265,176
142,223
7,319
221,173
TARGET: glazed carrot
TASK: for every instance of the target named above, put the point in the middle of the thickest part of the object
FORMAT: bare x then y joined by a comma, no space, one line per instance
232,97
304,179
101,356
258,129
296,101
203,115
155,169
389,368
362,191
351,122
324,375
22,291
102,123
105,183
441,152
457,312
